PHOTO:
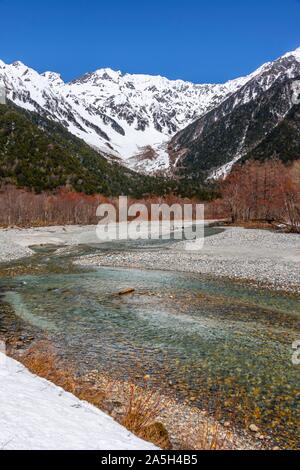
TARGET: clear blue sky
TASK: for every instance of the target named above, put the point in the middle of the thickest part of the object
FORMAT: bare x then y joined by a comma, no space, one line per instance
201,41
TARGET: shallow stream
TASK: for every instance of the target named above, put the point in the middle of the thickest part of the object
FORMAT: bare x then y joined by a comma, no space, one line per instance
213,343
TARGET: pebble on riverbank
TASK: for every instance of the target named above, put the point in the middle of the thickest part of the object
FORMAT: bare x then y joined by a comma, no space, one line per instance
266,259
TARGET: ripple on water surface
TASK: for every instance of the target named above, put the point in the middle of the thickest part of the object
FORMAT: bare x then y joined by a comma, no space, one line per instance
211,342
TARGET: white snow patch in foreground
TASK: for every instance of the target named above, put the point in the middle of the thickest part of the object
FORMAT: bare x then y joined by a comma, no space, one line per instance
37,415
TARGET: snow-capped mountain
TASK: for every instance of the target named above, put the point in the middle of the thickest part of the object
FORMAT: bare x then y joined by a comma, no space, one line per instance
134,117
130,117
241,123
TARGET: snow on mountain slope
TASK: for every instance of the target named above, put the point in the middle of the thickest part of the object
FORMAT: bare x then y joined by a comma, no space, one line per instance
37,415
121,115
130,117
214,142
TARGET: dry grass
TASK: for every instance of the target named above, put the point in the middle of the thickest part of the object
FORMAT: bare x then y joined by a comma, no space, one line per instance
213,436
142,414
42,361
254,224
145,413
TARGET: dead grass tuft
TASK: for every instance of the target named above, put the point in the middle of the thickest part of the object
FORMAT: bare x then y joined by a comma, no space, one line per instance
139,415
213,436
42,361
142,414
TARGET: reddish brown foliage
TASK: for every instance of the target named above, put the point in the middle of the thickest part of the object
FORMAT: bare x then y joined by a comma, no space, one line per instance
266,191
25,208
256,191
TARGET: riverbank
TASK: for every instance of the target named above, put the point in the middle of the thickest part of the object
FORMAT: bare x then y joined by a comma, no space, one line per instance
15,242
37,415
151,415
101,287
266,259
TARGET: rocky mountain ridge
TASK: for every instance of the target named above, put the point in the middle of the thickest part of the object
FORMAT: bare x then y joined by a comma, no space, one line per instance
133,118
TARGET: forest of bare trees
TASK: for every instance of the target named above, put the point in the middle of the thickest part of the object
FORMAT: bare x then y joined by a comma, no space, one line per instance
25,208
256,191
264,191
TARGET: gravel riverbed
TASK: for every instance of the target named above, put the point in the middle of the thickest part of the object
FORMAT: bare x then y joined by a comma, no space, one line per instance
267,259
9,250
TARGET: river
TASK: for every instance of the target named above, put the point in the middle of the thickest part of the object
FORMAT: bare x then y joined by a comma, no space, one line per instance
213,343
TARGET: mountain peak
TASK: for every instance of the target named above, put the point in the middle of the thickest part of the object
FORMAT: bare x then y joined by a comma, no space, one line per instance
99,74
295,53
53,78
18,64
108,72
124,114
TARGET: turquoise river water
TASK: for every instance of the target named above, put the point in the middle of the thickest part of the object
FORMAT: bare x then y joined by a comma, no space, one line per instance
210,342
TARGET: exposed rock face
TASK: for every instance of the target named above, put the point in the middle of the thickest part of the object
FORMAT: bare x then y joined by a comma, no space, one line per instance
119,114
134,117
245,124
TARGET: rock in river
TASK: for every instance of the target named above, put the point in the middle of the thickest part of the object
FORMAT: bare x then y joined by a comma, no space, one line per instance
127,291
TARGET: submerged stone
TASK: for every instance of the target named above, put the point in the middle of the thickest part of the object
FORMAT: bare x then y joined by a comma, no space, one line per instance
127,291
